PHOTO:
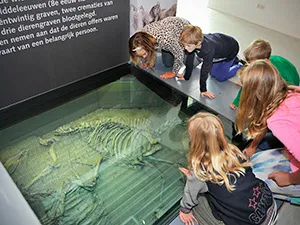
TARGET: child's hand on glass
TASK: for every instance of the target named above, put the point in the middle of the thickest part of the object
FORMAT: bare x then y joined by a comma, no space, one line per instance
208,94
187,218
180,77
185,171
232,106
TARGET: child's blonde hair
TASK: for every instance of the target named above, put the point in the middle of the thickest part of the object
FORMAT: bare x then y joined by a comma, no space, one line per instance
211,157
191,35
258,49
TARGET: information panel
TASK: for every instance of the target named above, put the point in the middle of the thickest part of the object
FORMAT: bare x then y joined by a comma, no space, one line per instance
45,44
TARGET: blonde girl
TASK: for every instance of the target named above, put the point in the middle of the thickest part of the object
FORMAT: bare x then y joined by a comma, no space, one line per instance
220,170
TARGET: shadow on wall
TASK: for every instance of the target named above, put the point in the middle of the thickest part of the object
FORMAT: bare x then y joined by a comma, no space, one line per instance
139,17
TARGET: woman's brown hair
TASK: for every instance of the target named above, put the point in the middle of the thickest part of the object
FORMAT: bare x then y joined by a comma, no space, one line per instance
145,41
263,92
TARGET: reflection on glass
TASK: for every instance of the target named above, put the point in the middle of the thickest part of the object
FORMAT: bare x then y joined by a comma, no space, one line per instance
109,157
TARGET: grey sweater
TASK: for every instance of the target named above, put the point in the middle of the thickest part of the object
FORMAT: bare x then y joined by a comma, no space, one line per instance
250,203
192,188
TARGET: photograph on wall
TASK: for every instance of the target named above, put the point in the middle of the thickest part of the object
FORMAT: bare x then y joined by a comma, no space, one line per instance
143,12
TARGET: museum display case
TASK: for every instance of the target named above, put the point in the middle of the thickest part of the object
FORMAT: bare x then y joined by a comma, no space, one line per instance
103,151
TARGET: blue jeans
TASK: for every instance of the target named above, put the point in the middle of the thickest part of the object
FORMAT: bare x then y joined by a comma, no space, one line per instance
167,58
224,70
270,142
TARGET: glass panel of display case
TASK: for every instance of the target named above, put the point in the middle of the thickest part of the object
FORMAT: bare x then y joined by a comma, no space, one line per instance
110,156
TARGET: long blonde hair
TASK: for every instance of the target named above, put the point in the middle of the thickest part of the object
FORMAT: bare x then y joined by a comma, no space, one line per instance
143,40
211,157
263,91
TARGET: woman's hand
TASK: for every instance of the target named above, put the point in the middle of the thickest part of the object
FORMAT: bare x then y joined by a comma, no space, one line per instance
167,75
145,66
208,94
187,218
281,178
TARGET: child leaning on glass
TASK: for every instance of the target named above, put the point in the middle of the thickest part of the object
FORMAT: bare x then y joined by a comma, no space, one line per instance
221,187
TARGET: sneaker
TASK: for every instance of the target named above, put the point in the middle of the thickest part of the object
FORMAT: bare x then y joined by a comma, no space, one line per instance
243,62
239,60
236,61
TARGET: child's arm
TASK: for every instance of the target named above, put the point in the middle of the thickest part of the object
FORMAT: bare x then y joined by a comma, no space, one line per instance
205,69
284,179
177,51
287,132
236,101
251,149
192,188
189,63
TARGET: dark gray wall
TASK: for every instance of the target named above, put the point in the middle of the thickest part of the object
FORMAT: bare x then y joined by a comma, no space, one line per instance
27,72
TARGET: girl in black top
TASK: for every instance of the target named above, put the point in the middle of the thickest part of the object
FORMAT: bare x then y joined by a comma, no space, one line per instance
221,170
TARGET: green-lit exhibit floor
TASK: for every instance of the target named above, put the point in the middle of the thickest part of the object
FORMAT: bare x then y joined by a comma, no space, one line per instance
109,157
145,194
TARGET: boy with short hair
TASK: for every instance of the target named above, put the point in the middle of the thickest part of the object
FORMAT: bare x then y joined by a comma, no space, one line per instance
261,49
217,51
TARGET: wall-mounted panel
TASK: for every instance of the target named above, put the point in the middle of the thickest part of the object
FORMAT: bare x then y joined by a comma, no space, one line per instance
47,44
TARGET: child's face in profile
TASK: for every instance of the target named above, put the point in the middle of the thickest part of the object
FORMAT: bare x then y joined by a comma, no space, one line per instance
191,47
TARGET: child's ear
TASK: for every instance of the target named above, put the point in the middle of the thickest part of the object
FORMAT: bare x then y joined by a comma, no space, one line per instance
199,43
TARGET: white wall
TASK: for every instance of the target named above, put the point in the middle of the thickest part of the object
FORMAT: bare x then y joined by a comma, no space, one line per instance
192,10
279,15
211,21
